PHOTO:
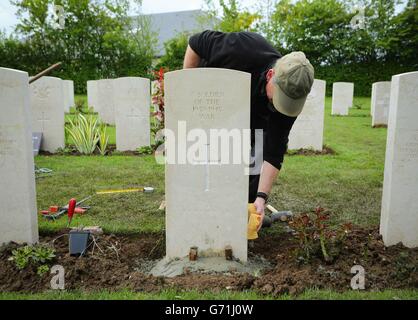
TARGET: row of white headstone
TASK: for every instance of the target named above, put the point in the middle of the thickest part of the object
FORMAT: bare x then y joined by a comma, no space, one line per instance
124,102
204,99
307,132
342,101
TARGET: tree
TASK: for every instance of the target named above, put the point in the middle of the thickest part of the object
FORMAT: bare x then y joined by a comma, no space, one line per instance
98,40
264,25
385,45
174,53
233,18
401,40
320,28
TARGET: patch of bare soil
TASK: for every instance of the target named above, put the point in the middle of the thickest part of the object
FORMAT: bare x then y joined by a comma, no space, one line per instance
116,261
309,152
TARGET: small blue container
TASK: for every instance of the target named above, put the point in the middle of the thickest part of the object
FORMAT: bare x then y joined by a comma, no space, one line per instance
78,242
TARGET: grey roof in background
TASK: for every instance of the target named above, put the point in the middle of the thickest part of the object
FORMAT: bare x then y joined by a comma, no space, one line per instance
169,25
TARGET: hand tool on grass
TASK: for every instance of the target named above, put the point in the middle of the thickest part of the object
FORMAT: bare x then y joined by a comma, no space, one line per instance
81,210
142,189
276,215
42,172
77,210
71,208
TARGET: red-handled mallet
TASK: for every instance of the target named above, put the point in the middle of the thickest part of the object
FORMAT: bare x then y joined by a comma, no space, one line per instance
71,209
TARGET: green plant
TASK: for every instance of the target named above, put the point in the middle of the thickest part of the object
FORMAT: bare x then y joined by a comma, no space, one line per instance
158,100
37,256
68,150
42,254
103,139
316,237
79,105
146,150
22,257
84,131
42,270
404,265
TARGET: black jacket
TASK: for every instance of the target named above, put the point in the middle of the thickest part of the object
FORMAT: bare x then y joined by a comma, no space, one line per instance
249,52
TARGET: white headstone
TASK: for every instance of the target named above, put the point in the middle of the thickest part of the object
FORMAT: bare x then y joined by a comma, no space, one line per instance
197,190
72,94
18,216
105,101
66,96
308,130
92,95
380,103
132,109
47,106
342,98
399,219
69,102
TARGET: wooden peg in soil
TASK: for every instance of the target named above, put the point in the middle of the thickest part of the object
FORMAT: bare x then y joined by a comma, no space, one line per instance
193,254
228,253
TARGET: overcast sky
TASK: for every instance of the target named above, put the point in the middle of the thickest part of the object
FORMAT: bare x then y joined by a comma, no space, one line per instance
8,18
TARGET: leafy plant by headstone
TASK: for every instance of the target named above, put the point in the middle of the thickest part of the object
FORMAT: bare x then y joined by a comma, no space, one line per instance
158,100
88,133
103,139
316,238
37,256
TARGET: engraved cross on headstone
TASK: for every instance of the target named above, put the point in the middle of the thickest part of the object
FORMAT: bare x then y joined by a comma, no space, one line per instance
43,120
207,162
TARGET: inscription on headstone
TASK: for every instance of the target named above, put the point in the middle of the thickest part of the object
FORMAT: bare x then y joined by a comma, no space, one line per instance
201,100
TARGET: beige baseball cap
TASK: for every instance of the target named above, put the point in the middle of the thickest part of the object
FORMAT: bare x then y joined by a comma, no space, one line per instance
293,80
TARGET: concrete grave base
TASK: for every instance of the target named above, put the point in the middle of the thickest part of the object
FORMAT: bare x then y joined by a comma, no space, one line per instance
208,265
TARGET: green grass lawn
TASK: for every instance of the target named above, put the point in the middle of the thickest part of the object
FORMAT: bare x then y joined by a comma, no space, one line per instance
348,183
194,295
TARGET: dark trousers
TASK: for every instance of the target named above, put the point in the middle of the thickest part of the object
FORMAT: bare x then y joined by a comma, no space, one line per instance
257,161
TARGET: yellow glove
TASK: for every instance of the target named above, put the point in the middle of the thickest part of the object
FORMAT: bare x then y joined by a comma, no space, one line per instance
254,220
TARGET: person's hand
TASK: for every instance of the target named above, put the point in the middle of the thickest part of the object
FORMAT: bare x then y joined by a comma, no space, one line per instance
260,204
